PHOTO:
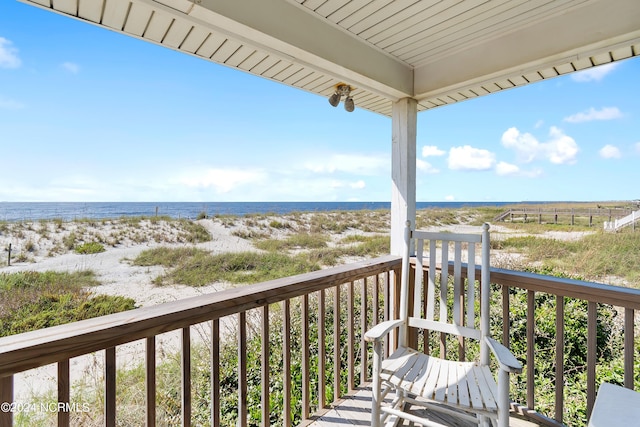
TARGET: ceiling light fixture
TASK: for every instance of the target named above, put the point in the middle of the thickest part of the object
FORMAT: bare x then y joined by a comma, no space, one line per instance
342,90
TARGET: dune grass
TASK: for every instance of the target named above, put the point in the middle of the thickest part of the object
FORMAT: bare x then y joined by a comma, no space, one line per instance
33,300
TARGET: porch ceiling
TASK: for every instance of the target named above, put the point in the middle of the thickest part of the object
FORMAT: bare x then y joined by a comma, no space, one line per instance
436,51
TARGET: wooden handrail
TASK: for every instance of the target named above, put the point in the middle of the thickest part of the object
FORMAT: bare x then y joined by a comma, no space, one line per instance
41,347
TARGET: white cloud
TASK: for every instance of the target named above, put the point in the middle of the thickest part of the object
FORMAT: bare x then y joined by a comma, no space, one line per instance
426,167
539,124
610,152
71,67
223,180
560,149
594,74
470,158
506,169
8,54
607,113
637,145
351,163
449,198
358,185
10,104
432,150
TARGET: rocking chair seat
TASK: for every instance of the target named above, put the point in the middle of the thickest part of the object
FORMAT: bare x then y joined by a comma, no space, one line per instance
465,385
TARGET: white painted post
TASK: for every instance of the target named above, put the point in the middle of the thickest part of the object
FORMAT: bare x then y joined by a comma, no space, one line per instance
403,170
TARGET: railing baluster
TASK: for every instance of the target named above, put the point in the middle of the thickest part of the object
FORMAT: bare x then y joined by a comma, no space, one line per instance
350,338
242,369
286,363
150,381
306,395
629,341
364,367
386,309
559,406
110,387
592,346
215,373
506,316
64,395
531,307
264,358
321,352
336,343
376,302
6,397
186,377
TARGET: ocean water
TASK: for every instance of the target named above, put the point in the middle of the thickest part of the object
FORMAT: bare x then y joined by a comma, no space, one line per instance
16,211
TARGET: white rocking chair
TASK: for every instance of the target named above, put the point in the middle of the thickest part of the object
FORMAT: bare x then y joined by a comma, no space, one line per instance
466,390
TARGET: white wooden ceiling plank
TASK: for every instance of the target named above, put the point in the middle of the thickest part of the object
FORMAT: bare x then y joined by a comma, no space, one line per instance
276,68
115,13
322,84
330,6
90,10
67,6
346,10
240,55
602,58
225,51
548,73
288,72
533,77
363,13
194,39
313,4
138,19
388,27
636,49
177,33
582,63
45,3
210,45
158,27
487,19
468,93
252,60
479,90
381,15
466,28
265,64
457,96
183,6
622,53
505,84
309,80
413,27
518,80
564,68
294,78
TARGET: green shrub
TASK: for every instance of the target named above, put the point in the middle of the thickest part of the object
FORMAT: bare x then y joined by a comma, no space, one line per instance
89,248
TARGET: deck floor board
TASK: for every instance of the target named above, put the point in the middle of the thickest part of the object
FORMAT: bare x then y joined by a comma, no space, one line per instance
355,410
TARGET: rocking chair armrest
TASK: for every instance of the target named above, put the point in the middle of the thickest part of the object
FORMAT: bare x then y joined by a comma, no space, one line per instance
506,359
379,331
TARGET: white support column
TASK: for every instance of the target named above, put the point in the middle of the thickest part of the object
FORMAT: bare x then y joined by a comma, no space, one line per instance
403,170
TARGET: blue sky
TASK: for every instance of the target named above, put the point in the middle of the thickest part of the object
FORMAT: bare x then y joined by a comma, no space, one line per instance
87,114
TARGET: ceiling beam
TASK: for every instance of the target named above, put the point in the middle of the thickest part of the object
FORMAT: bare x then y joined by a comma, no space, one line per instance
592,28
287,30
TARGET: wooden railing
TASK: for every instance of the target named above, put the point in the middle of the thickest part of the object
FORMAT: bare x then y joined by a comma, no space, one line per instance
624,301
332,358
367,285
552,214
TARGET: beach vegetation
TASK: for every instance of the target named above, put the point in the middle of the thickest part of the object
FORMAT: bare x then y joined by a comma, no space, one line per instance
35,300
89,248
294,241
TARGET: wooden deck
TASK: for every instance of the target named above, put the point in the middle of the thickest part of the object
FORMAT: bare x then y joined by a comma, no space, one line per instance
355,410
